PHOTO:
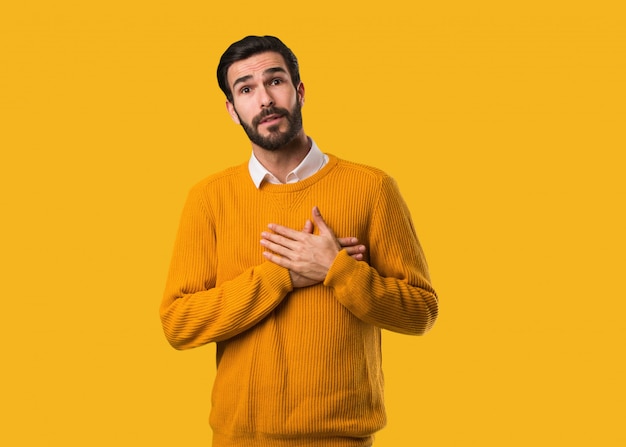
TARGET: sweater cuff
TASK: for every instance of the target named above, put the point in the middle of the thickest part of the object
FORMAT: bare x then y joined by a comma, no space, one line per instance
277,278
340,273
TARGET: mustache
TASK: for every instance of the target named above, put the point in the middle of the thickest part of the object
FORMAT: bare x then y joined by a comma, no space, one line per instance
267,112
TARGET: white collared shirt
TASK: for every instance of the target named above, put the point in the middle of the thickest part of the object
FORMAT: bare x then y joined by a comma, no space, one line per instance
313,162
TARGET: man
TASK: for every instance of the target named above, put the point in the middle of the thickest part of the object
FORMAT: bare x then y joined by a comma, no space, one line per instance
292,299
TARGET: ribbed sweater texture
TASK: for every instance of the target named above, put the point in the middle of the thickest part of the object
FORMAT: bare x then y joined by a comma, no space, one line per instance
296,367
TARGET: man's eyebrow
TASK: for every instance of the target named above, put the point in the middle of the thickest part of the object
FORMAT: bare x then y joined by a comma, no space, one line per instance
241,79
271,70
275,70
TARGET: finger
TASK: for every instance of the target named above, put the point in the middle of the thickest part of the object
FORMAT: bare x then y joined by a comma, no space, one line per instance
356,249
278,260
277,243
347,241
308,227
286,231
320,222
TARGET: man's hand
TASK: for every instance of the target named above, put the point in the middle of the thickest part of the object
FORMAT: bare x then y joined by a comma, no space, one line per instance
350,244
352,247
307,256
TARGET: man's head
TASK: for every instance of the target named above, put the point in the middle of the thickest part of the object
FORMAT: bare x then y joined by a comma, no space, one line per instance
260,78
250,46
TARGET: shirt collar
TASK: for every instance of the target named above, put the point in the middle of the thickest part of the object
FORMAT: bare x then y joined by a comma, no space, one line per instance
313,162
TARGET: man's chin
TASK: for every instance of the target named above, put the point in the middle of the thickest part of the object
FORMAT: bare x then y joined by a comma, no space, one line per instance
273,146
271,138
273,130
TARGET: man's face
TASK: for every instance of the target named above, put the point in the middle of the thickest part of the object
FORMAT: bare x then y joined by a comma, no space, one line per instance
265,102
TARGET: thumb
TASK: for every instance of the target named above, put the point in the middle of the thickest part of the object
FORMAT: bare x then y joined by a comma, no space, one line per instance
320,222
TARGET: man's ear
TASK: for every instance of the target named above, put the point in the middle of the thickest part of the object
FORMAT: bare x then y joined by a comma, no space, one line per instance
300,91
232,112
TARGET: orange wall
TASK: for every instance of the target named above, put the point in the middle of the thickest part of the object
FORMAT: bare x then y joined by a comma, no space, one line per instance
503,125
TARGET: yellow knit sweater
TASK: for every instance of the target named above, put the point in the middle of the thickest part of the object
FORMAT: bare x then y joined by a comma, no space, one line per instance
296,367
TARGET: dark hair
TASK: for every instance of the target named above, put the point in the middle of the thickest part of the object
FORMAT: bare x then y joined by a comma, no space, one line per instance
249,46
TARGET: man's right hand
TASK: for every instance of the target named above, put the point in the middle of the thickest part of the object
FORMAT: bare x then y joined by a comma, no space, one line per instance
350,244
291,242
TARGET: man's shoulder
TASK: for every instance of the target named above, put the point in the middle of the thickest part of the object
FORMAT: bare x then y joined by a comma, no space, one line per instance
232,175
346,167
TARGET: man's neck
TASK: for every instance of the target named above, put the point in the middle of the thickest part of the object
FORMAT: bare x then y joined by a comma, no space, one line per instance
281,162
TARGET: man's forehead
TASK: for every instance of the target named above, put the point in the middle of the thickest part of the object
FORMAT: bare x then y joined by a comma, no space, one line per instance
256,64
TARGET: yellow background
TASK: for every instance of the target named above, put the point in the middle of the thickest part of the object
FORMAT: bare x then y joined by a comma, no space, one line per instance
503,123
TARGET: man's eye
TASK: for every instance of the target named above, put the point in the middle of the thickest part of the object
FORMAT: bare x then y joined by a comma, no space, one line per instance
276,81
245,90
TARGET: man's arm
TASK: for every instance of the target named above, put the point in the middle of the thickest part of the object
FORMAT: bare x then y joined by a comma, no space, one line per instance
393,291
193,310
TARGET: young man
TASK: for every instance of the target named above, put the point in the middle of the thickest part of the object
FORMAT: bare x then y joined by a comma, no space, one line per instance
293,300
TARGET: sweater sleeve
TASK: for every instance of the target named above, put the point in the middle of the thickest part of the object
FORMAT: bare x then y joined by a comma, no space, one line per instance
393,291
194,311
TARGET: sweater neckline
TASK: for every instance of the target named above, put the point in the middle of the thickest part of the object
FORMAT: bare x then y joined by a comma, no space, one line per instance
302,184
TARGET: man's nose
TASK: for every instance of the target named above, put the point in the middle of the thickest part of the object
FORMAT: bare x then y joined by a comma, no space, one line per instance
266,98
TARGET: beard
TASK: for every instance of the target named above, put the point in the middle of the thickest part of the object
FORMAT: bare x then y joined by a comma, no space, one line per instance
276,139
